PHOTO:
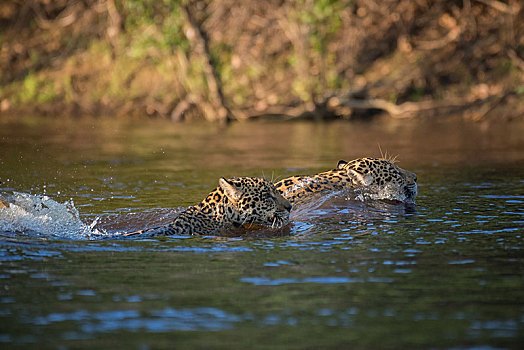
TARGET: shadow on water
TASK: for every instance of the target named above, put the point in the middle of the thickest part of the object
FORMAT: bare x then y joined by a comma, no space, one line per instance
446,273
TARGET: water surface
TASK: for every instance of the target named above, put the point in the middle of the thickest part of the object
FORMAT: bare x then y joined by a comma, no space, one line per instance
447,273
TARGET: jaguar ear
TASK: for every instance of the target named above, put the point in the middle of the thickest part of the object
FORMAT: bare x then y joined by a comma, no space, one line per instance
360,179
232,192
341,164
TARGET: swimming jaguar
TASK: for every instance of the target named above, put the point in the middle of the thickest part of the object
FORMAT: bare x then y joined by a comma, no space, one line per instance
236,202
381,179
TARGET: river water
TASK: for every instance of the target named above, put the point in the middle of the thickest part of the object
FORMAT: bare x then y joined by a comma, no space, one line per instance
446,273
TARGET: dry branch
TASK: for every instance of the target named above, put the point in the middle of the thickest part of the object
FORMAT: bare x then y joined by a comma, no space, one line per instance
452,35
501,7
402,111
67,17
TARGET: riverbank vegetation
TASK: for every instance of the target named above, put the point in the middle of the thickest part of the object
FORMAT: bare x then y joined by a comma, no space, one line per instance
236,60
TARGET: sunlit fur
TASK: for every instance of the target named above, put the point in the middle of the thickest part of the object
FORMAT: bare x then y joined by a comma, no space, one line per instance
236,202
380,178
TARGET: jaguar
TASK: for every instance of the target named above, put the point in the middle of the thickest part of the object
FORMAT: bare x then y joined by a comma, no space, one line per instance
376,178
235,203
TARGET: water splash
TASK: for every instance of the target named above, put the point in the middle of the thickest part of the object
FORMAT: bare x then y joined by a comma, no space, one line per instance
41,215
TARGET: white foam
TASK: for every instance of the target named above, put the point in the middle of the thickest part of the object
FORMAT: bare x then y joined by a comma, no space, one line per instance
42,215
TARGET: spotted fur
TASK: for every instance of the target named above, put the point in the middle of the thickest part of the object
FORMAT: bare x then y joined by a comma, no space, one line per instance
377,175
4,203
236,202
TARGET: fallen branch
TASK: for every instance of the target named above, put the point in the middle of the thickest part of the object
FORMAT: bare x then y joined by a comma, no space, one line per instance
501,7
452,35
402,111
287,111
67,17
405,110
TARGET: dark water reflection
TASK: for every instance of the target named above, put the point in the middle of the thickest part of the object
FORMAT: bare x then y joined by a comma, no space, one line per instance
447,273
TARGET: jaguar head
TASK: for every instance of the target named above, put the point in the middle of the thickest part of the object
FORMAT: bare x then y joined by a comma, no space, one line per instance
381,179
255,201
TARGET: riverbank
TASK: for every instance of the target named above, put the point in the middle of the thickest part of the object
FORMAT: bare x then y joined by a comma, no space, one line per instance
223,61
